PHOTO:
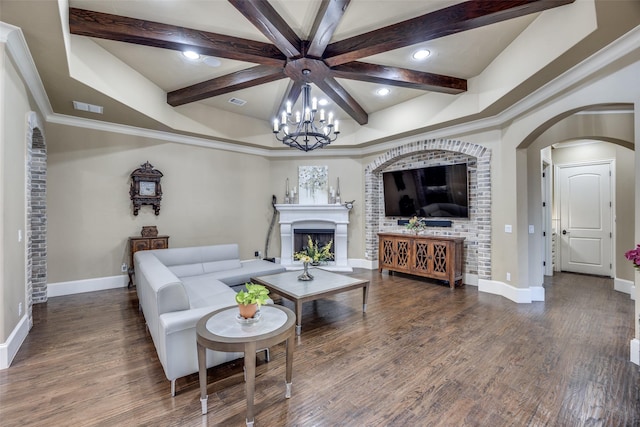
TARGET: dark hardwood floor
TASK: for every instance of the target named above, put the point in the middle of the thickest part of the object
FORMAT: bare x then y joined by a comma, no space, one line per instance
423,355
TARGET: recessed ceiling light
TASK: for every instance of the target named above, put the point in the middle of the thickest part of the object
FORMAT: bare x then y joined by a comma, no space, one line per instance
383,91
421,54
189,54
323,102
211,61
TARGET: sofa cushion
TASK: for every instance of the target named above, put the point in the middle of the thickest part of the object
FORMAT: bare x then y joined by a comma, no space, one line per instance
213,266
186,270
204,291
247,270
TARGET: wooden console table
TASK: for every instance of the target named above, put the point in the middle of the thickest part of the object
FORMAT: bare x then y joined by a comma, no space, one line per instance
139,243
436,257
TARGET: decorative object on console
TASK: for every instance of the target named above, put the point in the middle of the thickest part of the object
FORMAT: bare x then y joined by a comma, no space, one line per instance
349,205
251,298
149,231
145,188
312,182
415,225
304,132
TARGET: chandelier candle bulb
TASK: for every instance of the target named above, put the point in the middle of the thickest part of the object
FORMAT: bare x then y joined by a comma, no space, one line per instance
288,107
322,116
314,104
335,127
330,118
276,125
297,116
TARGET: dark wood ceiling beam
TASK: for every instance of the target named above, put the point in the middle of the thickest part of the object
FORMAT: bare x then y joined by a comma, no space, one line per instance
451,20
155,34
294,89
400,77
265,18
231,82
341,97
324,26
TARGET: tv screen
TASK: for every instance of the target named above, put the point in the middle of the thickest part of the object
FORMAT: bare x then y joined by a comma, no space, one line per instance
433,191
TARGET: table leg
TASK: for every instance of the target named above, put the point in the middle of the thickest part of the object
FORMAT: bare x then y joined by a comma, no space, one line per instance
298,317
250,373
289,369
202,373
365,296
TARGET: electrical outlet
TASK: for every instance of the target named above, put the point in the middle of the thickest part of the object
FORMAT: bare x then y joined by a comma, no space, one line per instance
508,277
19,309
124,267
256,254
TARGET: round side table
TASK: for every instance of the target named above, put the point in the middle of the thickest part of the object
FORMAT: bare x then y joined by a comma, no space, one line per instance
223,331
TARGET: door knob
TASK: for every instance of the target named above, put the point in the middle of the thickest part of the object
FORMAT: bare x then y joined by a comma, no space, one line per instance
564,231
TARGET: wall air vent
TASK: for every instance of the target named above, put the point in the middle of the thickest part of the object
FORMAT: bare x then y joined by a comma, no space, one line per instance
237,101
83,106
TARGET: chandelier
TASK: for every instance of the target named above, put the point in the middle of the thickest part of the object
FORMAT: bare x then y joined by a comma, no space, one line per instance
309,129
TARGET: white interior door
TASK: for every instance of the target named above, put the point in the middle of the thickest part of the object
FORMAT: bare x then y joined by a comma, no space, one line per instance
585,218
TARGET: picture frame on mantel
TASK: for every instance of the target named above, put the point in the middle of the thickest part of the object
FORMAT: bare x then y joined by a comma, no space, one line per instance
313,182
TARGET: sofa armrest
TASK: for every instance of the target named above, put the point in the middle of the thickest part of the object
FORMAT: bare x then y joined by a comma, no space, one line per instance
177,321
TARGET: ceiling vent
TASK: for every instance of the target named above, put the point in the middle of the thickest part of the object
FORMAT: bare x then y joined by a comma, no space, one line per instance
237,101
83,106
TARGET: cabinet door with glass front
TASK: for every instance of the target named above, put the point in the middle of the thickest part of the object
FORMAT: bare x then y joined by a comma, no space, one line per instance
395,253
430,258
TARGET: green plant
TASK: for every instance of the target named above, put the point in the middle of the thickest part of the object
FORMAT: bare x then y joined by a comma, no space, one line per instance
254,294
312,253
415,225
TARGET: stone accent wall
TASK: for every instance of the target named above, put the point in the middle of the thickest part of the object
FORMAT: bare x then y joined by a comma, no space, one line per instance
476,230
36,233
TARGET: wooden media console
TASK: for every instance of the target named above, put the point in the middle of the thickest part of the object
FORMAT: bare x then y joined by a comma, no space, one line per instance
436,257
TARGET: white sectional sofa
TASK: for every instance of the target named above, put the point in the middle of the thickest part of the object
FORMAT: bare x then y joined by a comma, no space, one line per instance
178,286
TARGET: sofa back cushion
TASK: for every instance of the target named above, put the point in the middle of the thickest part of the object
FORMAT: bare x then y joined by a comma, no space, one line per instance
220,257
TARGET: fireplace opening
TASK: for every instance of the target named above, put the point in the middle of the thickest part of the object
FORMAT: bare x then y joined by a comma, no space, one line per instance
322,236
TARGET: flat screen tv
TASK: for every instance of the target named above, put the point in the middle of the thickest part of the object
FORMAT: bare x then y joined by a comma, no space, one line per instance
432,191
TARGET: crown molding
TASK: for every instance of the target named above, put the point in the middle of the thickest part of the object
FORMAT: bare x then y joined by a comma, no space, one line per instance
19,51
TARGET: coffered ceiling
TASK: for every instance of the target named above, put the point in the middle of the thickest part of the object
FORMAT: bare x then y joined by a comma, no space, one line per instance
126,56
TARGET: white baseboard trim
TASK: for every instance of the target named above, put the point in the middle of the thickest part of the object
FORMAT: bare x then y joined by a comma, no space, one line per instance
9,349
625,286
470,279
519,295
87,285
634,350
363,263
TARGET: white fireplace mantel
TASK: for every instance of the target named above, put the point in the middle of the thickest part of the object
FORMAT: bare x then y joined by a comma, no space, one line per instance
328,217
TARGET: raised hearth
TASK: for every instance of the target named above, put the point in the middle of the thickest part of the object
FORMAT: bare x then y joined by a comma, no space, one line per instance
317,217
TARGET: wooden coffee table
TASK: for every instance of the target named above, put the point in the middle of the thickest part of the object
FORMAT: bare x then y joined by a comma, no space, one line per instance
324,283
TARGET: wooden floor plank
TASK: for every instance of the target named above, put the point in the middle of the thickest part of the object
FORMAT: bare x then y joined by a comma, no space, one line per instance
438,358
